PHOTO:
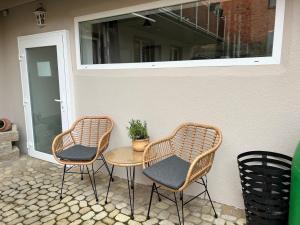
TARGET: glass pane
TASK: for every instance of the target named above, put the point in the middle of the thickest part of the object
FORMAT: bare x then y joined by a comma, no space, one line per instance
44,88
193,31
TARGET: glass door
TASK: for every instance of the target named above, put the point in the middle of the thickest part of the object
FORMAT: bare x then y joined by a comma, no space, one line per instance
46,90
44,96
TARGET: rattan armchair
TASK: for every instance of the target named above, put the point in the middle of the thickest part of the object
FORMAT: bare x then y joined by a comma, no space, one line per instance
82,145
177,161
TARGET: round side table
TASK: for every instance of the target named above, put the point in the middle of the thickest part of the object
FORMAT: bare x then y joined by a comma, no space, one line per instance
128,158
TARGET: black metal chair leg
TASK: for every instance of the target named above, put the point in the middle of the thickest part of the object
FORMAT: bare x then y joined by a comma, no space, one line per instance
93,183
110,180
158,196
153,187
216,215
129,189
132,184
177,208
62,182
131,175
206,190
96,194
182,204
107,168
81,171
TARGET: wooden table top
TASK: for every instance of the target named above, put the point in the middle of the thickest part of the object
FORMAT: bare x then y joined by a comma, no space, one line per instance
124,156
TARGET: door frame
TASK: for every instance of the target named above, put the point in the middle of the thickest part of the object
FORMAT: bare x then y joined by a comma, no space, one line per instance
61,40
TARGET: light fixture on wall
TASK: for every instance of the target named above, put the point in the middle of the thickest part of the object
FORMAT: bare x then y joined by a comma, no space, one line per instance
5,12
40,15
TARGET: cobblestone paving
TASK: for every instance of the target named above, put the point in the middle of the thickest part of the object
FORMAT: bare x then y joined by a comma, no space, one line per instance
29,195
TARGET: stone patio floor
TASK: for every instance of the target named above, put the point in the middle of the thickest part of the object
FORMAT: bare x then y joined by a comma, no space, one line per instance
29,195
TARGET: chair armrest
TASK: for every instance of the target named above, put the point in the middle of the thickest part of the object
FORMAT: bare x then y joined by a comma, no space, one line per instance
200,166
103,143
61,142
157,151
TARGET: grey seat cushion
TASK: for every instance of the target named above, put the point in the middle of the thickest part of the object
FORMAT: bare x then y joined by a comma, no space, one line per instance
78,153
170,172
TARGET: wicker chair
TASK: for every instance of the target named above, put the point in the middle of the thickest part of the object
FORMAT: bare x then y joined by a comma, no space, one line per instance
82,145
175,162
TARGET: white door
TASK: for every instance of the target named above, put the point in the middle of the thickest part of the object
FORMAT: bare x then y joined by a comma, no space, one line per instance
46,89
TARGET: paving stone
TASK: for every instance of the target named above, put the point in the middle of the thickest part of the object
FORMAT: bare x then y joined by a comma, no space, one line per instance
84,210
97,208
74,208
151,221
45,213
88,222
163,215
88,215
100,216
73,202
48,218
24,212
58,206
208,218
109,207
99,223
33,207
126,211
51,222
74,217
66,199
122,218
241,221
61,210
162,205
121,205
229,217
62,222
220,221
32,214
83,204
63,216
113,213
166,222
133,222
76,222
108,221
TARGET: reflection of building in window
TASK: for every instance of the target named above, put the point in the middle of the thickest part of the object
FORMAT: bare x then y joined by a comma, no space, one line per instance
272,4
175,53
247,27
146,51
205,29
270,40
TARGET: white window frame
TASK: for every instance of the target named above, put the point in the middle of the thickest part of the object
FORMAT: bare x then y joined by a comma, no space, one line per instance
270,60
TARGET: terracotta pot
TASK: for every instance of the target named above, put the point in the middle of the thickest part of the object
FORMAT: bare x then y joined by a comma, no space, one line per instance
5,125
140,145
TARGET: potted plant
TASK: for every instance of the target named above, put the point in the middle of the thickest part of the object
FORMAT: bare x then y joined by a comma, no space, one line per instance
138,133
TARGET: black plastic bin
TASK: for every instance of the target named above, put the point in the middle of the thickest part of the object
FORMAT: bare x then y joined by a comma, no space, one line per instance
265,178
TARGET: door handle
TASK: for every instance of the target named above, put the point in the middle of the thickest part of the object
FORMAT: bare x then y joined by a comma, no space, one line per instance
57,100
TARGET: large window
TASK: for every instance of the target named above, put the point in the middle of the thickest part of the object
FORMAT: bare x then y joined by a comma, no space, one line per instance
192,33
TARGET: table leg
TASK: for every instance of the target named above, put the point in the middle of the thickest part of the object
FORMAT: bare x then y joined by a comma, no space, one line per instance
110,180
130,183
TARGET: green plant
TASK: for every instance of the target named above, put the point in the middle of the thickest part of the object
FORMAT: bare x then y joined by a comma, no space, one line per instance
137,130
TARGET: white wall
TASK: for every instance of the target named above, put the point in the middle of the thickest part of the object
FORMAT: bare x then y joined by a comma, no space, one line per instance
257,107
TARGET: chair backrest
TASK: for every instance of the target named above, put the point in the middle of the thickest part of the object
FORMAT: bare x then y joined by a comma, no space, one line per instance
88,130
191,140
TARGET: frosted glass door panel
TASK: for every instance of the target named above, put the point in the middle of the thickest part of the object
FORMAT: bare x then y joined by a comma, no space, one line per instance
44,96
